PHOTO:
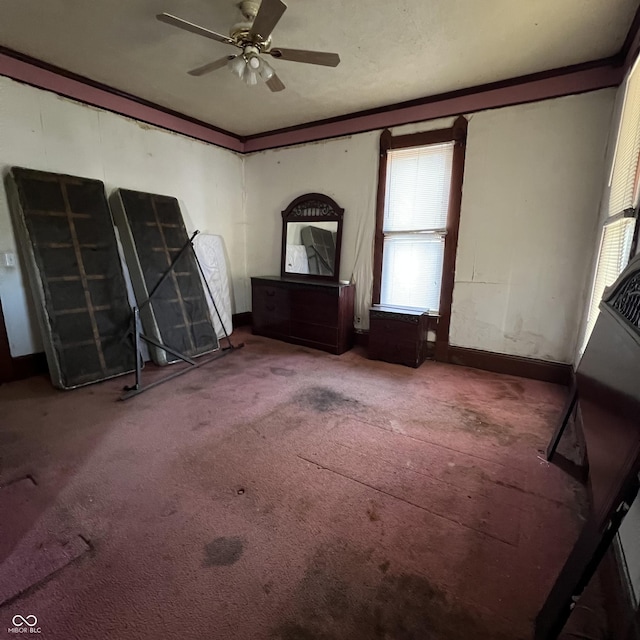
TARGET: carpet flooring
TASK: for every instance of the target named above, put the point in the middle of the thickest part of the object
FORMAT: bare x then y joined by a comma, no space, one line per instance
284,493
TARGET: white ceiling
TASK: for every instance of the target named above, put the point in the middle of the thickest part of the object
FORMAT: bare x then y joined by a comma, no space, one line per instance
391,50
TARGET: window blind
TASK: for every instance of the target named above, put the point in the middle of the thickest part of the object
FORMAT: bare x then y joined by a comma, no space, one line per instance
414,226
623,182
616,237
615,247
418,185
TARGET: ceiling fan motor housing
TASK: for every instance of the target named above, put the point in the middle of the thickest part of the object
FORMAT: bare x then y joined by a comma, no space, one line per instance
249,9
240,32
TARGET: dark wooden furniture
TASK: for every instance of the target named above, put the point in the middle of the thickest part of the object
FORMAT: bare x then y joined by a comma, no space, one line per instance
400,336
607,394
314,212
313,314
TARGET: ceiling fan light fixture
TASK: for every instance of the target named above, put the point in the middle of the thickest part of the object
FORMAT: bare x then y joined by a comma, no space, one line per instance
250,76
252,35
265,70
237,66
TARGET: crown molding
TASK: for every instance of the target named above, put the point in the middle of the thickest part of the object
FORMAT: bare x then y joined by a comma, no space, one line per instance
590,76
43,75
544,85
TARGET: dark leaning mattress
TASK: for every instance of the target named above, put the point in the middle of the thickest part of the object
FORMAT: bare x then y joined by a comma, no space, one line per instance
152,233
66,235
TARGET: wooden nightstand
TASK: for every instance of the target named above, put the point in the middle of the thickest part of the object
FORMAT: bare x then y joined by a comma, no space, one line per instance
401,336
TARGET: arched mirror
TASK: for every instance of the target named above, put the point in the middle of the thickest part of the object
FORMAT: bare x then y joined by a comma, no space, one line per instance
311,238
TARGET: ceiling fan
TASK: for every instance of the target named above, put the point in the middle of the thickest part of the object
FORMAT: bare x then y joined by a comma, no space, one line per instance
252,36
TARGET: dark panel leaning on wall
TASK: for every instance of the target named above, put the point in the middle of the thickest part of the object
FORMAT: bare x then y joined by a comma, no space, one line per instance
21,367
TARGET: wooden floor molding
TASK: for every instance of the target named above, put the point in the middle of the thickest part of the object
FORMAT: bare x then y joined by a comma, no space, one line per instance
21,367
557,372
35,364
243,319
361,338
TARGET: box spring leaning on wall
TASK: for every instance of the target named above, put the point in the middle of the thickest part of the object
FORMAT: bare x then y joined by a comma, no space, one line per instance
152,233
68,242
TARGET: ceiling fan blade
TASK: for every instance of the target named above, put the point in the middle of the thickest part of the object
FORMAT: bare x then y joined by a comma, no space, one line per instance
275,84
194,28
267,18
308,57
212,66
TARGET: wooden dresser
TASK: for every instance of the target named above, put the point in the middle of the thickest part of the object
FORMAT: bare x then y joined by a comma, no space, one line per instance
400,336
313,314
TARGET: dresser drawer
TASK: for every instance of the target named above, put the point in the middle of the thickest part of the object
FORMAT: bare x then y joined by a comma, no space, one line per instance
271,299
314,332
316,307
270,325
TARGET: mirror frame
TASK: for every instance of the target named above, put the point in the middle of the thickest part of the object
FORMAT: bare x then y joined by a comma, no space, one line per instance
312,207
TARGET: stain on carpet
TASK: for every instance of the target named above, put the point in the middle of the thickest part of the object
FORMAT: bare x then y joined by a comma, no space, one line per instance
476,422
343,596
223,552
373,514
323,399
191,388
280,371
509,390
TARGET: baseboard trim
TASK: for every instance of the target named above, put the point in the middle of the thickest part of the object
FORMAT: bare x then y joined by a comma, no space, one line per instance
19,368
556,372
35,364
243,319
361,338
22,367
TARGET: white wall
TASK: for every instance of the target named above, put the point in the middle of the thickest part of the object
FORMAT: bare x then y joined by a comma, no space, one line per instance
533,177
532,185
41,130
530,199
345,169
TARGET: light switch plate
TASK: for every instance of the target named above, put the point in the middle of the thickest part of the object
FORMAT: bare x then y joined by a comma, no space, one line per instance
9,259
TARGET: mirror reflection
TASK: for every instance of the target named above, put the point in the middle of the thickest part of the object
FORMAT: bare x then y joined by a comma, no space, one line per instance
311,248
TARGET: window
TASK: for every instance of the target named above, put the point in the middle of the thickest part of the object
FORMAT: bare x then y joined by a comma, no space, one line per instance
616,241
419,195
415,225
